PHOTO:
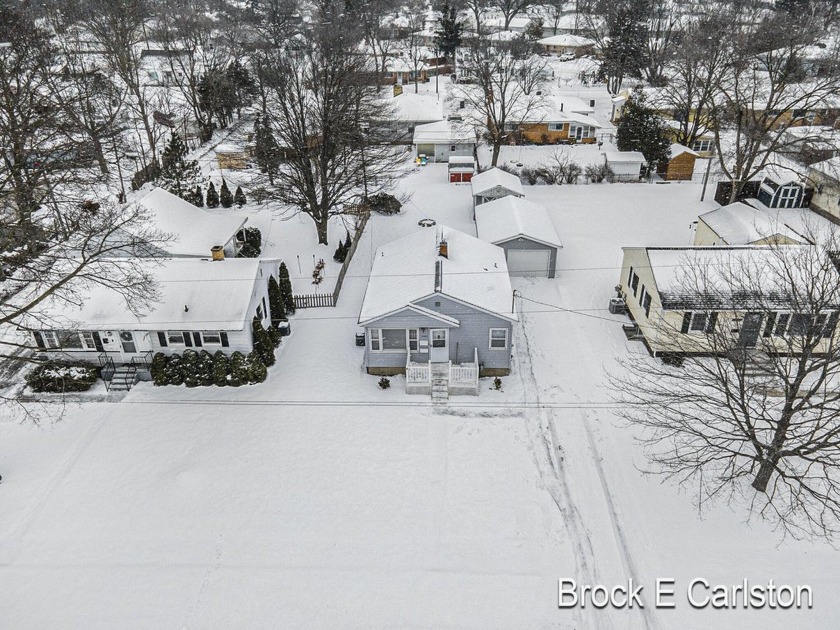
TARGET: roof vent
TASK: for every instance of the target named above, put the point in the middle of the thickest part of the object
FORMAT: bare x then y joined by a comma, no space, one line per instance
217,252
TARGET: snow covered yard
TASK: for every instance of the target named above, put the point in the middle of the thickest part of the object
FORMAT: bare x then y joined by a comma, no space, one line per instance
318,500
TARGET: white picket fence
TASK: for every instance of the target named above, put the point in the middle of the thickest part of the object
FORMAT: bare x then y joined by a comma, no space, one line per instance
466,373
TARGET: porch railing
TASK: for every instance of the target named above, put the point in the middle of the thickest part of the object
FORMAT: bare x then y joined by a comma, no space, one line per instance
466,373
418,372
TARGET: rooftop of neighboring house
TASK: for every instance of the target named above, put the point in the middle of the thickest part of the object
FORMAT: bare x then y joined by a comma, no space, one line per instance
443,132
695,277
567,40
409,269
679,149
742,224
830,168
624,156
188,297
511,217
193,229
482,182
420,107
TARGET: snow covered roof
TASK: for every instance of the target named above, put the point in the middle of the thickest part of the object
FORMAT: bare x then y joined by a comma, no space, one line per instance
805,223
708,277
741,224
443,132
482,182
511,217
567,40
624,156
830,167
414,107
194,230
679,149
216,295
404,272
227,147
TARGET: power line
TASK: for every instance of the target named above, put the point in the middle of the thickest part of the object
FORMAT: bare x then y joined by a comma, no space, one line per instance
366,403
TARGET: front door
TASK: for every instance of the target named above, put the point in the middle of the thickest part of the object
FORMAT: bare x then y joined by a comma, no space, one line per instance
439,345
578,133
127,341
750,329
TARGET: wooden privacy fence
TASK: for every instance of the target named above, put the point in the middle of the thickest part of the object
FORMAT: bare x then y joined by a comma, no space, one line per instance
318,300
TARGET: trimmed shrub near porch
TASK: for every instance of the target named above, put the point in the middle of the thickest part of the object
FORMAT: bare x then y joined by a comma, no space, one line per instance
61,377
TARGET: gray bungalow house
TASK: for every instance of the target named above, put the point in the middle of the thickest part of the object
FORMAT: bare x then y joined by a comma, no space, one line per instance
438,308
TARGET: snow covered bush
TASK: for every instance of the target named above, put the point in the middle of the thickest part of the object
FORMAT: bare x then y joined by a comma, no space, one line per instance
384,382
251,239
275,302
239,197
598,173
257,372
263,343
238,373
383,203
221,368
286,288
212,196
60,377
172,372
158,369
206,364
225,196
189,368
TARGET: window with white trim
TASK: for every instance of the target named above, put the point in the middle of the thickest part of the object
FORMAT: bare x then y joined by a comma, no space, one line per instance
413,337
702,146
175,337
699,322
212,337
388,339
498,338
69,339
556,126
50,339
87,340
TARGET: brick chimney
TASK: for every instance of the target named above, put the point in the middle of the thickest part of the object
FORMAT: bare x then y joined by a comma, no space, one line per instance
443,248
218,252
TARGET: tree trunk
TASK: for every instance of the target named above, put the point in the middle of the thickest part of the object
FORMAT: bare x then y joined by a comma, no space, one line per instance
321,226
497,148
100,156
765,472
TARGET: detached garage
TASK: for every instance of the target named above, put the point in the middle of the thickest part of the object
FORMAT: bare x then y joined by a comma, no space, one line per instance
524,230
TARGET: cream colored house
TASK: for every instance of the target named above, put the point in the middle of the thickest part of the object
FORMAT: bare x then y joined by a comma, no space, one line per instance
683,302
742,224
825,176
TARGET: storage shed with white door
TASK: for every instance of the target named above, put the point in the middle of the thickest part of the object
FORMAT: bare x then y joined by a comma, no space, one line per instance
525,232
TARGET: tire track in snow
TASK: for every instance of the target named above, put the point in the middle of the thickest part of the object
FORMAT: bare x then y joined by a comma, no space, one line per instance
552,473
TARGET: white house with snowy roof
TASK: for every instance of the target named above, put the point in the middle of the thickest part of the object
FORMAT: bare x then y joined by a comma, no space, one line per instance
679,297
741,224
524,230
202,304
194,231
439,141
438,308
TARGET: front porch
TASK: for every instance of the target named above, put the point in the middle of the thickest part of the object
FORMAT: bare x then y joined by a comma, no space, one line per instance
442,379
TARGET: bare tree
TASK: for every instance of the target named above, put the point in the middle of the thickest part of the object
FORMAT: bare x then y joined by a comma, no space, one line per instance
189,35
751,413
503,94
119,29
412,46
763,93
376,18
321,107
511,8
664,29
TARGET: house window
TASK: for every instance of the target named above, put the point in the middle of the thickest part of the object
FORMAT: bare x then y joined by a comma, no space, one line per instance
50,339
69,339
787,196
87,340
260,312
698,322
781,324
412,339
211,337
176,337
634,283
556,126
388,339
646,305
800,324
702,146
498,338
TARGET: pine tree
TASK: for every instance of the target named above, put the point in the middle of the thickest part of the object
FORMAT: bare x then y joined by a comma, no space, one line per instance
198,197
221,367
172,371
257,371
448,35
225,196
238,370
158,369
266,150
190,368
263,344
242,86
177,174
275,302
347,243
212,196
239,197
286,288
206,366
340,252
642,129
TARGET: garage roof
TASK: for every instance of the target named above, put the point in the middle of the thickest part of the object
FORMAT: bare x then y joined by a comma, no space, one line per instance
507,218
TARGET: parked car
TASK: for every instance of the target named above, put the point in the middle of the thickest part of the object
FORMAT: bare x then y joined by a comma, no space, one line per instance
567,56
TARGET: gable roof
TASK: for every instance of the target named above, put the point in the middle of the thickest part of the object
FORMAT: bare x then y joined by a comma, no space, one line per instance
194,230
443,132
679,149
216,293
829,167
511,217
482,182
404,272
742,224
566,39
624,156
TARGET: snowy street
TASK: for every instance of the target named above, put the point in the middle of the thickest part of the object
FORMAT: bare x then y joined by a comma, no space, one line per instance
317,500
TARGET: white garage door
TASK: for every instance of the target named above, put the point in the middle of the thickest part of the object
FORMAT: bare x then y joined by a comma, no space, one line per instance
528,262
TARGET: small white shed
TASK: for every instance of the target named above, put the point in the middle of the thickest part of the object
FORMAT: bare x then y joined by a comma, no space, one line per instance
625,165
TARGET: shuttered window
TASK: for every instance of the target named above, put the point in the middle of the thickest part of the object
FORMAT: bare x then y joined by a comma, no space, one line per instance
162,339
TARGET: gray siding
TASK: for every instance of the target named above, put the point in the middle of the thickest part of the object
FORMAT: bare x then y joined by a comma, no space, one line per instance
473,332
527,243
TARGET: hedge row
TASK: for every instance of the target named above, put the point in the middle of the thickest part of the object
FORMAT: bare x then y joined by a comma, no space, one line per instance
202,369
62,377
